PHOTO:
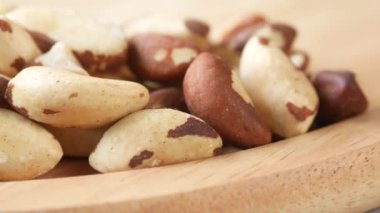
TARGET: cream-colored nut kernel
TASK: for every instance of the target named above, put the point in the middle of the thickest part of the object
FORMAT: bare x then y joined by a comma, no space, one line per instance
98,46
284,97
171,25
62,98
154,137
77,142
17,48
60,56
26,149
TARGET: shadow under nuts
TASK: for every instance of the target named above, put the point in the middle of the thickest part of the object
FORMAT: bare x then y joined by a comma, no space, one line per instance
154,137
214,93
63,98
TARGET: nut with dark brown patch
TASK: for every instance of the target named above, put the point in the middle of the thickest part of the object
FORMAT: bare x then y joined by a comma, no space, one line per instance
167,98
340,96
283,95
43,94
238,32
159,57
3,86
17,50
214,93
97,45
154,137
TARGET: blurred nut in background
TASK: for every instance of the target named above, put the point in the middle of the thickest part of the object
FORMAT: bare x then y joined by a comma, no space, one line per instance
340,96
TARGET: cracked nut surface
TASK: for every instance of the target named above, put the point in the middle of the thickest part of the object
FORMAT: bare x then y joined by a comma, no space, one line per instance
26,149
283,95
154,137
62,98
214,93
340,96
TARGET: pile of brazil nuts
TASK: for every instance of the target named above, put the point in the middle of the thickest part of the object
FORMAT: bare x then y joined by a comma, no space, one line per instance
154,92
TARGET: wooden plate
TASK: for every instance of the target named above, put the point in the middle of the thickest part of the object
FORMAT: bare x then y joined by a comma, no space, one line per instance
335,169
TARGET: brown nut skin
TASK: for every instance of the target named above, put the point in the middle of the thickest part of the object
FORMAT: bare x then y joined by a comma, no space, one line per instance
3,87
160,58
340,96
167,98
214,94
238,35
43,41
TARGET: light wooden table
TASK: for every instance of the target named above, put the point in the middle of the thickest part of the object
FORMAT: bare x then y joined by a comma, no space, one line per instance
336,169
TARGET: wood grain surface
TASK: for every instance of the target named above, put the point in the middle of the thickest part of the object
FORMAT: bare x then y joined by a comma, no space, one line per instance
334,169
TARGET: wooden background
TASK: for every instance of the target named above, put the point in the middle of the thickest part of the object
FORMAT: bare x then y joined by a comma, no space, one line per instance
336,169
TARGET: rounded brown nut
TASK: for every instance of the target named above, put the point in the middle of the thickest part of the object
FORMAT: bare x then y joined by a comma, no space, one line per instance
214,93
76,142
43,41
238,32
3,86
340,96
283,95
60,56
160,57
278,35
167,98
300,60
154,137
62,98
17,48
184,28
26,149
97,45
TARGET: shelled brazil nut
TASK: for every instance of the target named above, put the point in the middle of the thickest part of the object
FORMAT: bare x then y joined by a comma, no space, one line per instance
214,93
104,50
26,149
62,98
283,96
154,137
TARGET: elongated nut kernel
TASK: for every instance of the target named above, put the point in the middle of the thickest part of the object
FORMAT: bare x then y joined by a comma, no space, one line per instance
26,149
62,98
283,95
214,93
155,137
